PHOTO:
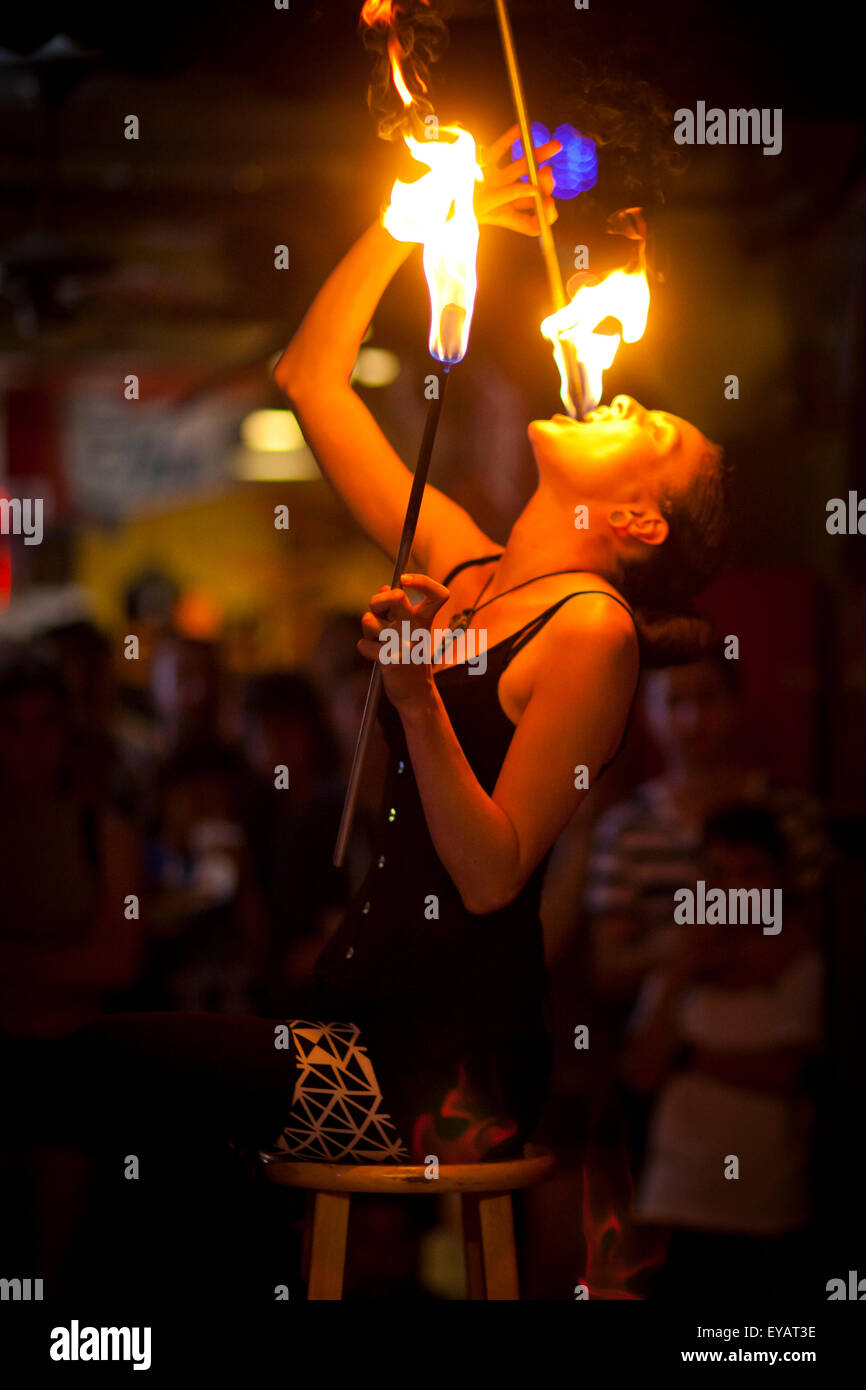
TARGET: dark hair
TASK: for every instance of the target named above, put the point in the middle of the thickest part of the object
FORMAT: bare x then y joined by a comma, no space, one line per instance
744,823
661,588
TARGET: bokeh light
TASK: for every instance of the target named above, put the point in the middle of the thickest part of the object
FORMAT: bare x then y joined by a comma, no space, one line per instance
574,168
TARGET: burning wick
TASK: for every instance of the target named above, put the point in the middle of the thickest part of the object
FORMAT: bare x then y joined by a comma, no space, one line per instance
452,331
437,209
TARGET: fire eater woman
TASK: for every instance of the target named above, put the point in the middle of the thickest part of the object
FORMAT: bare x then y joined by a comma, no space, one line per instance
431,1033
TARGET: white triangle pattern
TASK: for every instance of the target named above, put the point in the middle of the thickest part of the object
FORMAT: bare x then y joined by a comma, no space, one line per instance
337,1112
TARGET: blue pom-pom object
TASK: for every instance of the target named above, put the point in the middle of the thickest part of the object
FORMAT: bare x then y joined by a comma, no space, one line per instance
575,168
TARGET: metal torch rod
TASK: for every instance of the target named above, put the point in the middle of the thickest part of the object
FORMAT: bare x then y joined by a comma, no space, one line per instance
545,238
548,248
374,689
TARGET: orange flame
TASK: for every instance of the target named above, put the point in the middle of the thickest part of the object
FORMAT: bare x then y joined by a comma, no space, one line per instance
381,13
397,71
377,12
395,53
611,1259
479,1136
438,210
621,295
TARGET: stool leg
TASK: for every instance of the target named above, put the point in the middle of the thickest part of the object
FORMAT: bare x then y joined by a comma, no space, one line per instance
328,1251
497,1240
472,1245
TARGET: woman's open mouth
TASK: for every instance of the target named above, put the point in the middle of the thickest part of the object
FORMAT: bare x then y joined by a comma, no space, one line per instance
591,418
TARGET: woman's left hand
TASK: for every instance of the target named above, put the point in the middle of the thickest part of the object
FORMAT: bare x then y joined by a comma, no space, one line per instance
503,199
407,671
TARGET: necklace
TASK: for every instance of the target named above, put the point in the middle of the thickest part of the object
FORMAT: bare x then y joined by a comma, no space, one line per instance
460,621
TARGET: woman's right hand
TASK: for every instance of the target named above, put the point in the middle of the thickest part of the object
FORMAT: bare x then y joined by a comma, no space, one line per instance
503,200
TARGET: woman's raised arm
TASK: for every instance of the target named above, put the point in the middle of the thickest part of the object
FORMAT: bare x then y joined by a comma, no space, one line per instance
369,475
316,368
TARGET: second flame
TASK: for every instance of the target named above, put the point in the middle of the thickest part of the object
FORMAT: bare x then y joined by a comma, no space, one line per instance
622,295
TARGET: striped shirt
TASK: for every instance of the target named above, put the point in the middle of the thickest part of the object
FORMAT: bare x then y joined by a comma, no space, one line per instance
643,850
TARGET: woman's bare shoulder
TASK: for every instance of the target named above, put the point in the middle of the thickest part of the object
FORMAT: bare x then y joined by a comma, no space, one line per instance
588,644
597,614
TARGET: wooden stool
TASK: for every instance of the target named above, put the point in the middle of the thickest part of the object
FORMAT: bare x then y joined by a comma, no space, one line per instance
485,1198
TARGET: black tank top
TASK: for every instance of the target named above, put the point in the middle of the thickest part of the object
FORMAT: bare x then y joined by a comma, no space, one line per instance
407,942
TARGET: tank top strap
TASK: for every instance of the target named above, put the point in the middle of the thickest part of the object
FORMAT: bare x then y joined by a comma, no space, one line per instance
527,632
465,565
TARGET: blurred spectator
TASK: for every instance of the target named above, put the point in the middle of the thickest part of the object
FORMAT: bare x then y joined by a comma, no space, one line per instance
294,757
724,1032
204,911
67,865
647,846
343,677
185,681
70,871
83,656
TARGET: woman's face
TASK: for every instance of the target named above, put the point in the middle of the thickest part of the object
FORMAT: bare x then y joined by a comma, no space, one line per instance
619,453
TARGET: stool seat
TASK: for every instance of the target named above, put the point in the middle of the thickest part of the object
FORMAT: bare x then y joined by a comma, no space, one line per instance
402,1179
485,1197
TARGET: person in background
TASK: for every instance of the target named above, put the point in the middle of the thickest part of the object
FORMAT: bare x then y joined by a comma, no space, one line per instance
185,682
342,677
180,708
647,846
69,931
205,913
294,760
82,654
723,1034
67,865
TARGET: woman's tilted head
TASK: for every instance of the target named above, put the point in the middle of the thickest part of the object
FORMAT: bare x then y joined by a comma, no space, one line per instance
652,488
